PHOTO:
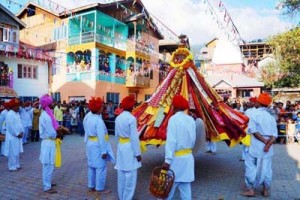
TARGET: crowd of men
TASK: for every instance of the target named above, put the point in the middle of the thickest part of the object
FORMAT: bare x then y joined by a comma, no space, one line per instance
88,120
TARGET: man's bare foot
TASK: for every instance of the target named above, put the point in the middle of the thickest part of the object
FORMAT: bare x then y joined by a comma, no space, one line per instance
265,192
248,193
103,192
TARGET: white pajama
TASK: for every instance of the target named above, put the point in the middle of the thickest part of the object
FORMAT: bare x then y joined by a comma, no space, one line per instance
47,154
211,146
185,191
47,176
97,177
126,184
258,171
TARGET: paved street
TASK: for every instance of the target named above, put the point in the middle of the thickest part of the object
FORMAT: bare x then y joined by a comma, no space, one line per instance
217,176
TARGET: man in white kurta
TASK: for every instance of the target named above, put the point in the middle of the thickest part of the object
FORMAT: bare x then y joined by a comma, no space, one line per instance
98,150
48,149
258,161
14,134
26,120
181,137
248,113
3,124
200,133
128,150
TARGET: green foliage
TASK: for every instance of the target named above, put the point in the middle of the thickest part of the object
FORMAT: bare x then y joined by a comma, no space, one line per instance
290,6
286,47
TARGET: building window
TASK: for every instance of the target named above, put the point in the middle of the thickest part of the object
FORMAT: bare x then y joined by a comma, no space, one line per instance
147,96
27,71
6,35
60,33
114,97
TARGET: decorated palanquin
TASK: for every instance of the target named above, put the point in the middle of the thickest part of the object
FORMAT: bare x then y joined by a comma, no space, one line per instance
221,121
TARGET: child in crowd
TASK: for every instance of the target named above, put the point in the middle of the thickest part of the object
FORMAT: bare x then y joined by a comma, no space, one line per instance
290,130
282,130
298,127
67,119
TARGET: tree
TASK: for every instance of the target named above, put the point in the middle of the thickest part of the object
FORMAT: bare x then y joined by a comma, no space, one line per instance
286,48
290,6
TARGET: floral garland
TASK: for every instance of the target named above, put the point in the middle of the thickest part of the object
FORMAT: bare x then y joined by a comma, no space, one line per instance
185,61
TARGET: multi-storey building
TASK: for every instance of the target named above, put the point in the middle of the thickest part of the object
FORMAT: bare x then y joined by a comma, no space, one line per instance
107,50
23,67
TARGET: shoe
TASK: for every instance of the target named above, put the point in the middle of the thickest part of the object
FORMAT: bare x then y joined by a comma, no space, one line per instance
51,191
91,189
18,168
208,152
53,184
103,192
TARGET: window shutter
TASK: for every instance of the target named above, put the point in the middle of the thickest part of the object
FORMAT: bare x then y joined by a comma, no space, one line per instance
20,71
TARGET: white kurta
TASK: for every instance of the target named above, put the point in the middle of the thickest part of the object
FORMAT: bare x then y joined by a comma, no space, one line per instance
263,122
200,136
126,127
3,128
259,163
95,127
13,144
181,134
48,134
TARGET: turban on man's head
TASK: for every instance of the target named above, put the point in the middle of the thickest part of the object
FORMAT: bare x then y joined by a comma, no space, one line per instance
253,99
14,103
180,102
95,104
45,100
6,105
265,99
128,103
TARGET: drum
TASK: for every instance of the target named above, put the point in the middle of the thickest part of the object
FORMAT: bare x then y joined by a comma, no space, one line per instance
161,182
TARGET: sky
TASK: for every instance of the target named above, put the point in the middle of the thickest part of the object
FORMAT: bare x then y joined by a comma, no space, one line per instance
254,19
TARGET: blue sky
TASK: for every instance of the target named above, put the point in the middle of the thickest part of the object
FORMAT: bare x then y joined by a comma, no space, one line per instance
254,18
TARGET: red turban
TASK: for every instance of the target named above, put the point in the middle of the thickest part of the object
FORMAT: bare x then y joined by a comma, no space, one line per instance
128,103
253,99
6,105
14,103
95,104
180,102
264,98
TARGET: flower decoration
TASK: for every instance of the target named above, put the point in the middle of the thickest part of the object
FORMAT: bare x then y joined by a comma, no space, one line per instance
176,59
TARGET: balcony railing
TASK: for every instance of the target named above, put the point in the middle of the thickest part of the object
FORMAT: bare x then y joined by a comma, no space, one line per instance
92,37
134,80
6,80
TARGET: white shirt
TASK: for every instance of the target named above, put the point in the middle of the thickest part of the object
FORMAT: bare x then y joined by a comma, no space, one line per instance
46,127
181,134
264,123
126,127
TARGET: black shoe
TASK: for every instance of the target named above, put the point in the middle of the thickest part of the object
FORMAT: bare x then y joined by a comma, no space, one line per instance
53,184
51,191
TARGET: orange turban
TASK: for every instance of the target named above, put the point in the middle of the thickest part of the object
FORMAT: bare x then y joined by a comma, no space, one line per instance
128,103
253,99
180,102
14,103
95,104
264,98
